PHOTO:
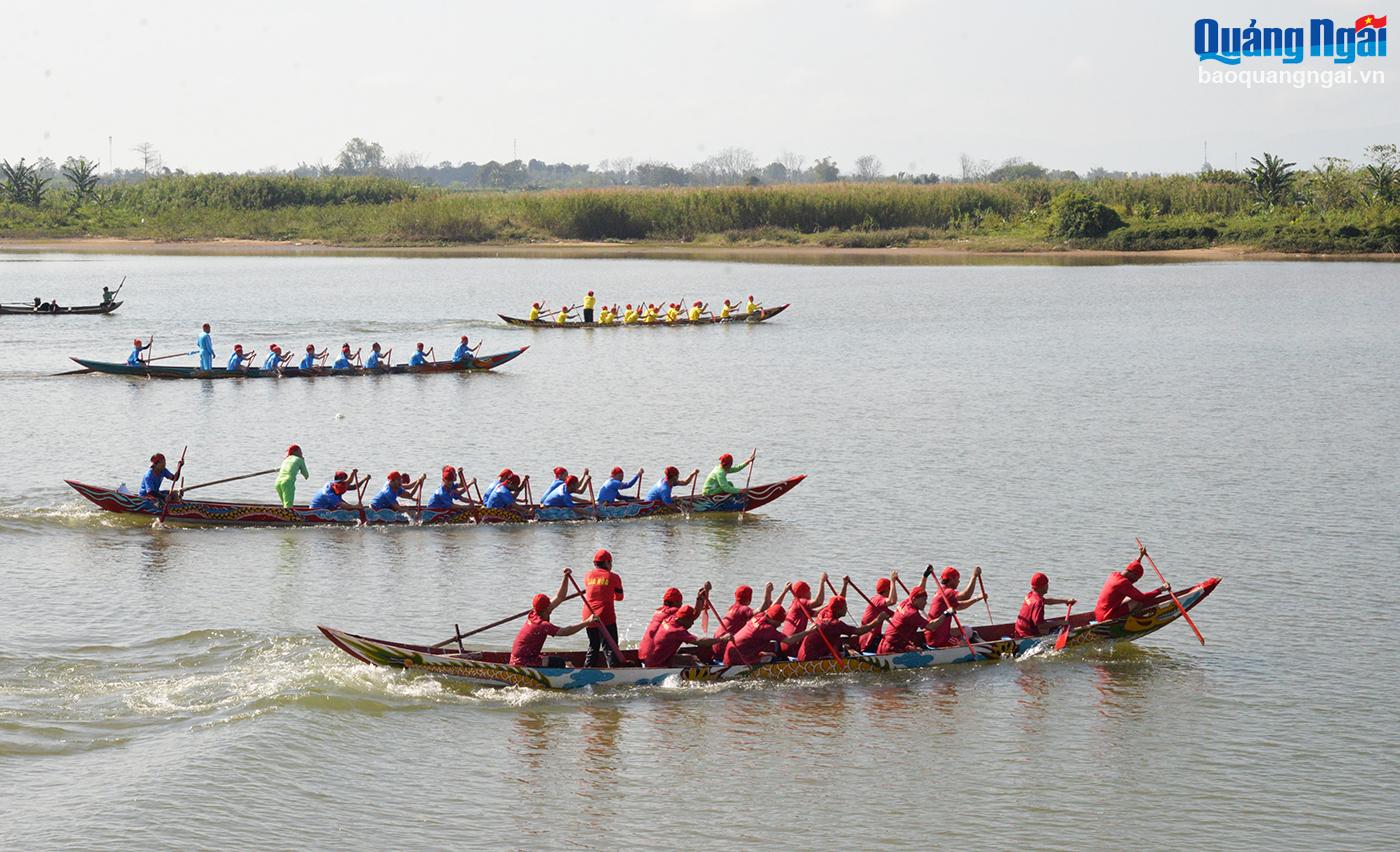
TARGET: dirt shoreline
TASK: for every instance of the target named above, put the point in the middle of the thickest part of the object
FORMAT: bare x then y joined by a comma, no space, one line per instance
916,255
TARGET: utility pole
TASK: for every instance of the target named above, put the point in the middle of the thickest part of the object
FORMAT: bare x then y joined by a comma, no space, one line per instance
111,168
514,148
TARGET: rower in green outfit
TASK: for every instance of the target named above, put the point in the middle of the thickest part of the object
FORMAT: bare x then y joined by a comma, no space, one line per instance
287,476
718,480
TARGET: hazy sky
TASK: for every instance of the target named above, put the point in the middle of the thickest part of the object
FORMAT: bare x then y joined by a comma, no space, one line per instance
246,85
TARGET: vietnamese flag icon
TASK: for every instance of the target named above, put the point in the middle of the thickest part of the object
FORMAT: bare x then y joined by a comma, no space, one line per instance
1369,21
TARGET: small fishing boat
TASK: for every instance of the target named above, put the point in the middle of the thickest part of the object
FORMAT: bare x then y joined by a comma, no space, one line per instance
209,512
154,371
105,308
565,671
763,315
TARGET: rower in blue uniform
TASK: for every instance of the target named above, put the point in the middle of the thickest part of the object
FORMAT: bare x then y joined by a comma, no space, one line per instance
134,359
276,359
205,344
308,362
332,496
155,478
464,352
419,357
670,479
451,491
237,361
376,359
611,492
396,487
344,362
502,494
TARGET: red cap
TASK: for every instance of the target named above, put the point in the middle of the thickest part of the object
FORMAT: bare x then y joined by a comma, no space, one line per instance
950,574
206,326
672,597
726,460
136,342
1134,570
540,604
505,473
775,613
590,292
238,347
743,595
602,557
882,586
420,346
560,472
294,450
617,473
672,473
535,305
341,475
684,616
393,475
800,589
464,338
917,593
449,473
1040,582
310,347
157,458
571,482
697,301
836,607
345,347
750,298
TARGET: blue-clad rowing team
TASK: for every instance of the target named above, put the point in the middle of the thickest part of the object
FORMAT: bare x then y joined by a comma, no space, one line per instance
278,358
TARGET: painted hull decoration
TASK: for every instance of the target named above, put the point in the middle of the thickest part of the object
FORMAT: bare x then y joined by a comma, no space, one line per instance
155,371
492,668
6,310
752,319
274,514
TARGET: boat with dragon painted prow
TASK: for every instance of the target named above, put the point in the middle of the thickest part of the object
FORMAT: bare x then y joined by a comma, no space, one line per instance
154,371
565,671
207,512
761,315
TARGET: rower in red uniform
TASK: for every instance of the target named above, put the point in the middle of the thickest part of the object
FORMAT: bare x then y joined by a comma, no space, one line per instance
671,601
537,628
803,606
601,588
1031,619
947,598
829,623
674,633
879,603
760,640
907,621
740,613
1114,599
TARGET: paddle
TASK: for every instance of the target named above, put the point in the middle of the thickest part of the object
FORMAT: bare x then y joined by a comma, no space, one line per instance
232,479
607,634
953,611
1170,593
983,586
747,480
710,608
840,660
148,360
1063,638
119,288
170,495
360,496
508,619
640,472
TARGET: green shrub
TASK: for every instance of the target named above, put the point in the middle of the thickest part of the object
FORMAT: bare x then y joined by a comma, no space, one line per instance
1075,216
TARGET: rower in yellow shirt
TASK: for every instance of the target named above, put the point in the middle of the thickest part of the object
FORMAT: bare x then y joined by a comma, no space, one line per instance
588,303
752,307
605,316
695,311
650,316
725,311
631,316
535,312
672,314
563,316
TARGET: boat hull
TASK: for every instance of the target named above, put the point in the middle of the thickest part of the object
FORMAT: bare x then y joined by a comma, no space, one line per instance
76,310
157,371
492,668
210,512
751,319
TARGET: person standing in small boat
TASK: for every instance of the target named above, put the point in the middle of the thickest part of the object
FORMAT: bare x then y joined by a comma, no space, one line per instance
1120,596
947,598
529,642
670,478
346,360
155,477
611,492
829,625
419,358
239,360
286,485
276,359
397,487
464,353
588,302
308,361
376,360
332,496
205,344
1030,621
718,480
602,588
450,492
671,635
135,359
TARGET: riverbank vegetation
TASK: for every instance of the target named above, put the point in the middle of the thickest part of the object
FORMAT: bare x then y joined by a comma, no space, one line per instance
1272,205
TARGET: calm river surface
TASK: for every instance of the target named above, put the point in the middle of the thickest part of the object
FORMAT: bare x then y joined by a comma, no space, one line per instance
168,688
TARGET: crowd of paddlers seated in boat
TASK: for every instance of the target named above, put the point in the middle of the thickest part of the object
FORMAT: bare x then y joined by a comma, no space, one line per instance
278,358
456,489
643,313
808,628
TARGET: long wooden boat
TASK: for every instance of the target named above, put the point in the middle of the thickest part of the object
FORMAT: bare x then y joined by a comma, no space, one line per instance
106,308
159,371
564,670
209,512
763,315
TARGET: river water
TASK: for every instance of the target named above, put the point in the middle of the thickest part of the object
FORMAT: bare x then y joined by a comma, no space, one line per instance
168,688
